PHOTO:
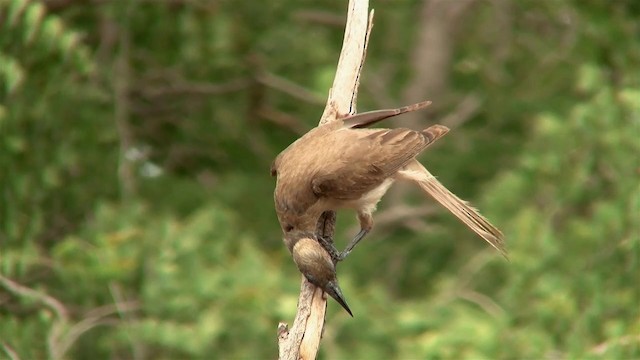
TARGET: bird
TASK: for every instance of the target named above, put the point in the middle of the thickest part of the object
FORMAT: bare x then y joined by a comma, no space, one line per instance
344,164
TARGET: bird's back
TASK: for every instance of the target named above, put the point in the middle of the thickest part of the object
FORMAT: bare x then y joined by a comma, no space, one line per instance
341,164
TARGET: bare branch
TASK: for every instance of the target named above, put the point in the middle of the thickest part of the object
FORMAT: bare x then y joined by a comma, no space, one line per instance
486,303
282,119
288,87
303,340
626,340
24,292
467,108
400,213
59,339
94,318
125,310
343,93
290,343
11,353
53,304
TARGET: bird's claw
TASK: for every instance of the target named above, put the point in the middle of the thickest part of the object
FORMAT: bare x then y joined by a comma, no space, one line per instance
327,244
343,255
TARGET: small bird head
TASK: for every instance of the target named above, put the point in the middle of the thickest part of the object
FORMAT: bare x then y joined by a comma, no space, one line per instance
316,265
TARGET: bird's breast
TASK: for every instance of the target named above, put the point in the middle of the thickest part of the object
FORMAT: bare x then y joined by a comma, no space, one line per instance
369,200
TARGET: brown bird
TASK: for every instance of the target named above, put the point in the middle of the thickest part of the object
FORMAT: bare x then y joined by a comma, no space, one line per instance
342,165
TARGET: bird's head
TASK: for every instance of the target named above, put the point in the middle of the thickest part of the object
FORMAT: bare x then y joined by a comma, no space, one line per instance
315,263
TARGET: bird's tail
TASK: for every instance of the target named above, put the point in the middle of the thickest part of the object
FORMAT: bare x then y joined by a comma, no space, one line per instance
461,209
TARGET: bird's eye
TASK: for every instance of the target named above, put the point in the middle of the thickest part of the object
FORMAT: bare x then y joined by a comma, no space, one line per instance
288,227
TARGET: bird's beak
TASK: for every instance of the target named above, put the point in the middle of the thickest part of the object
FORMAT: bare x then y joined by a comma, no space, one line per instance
334,291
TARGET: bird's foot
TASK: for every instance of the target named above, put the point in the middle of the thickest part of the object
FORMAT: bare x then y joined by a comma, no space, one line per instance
352,244
327,244
343,255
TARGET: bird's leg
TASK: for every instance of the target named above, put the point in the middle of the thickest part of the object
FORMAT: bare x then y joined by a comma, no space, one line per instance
366,224
327,244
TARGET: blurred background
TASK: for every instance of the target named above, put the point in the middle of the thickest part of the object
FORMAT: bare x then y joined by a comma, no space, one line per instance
137,222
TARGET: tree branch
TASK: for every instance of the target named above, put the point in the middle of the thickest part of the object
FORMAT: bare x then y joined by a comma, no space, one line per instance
303,340
288,87
11,353
58,309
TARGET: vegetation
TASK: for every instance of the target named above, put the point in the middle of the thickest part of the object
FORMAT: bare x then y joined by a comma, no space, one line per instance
137,221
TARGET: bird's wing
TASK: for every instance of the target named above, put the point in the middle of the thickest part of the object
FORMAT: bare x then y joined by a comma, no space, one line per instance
367,119
356,121
365,158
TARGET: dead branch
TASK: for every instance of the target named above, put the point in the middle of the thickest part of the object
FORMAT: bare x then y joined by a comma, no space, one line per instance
63,333
96,317
483,301
56,307
288,87
400,213
11,353
626,340
467,108
303,339
282,119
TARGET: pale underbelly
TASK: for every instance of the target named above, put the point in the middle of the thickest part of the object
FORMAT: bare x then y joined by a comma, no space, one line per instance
366,203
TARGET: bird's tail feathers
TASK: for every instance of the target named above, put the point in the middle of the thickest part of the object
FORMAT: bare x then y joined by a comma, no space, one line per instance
461,209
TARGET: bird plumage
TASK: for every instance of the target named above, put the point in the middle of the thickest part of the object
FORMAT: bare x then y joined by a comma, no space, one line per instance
343,164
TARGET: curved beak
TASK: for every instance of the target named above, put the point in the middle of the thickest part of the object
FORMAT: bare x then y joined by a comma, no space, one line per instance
334,291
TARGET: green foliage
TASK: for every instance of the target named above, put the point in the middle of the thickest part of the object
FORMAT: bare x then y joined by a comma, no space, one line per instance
194,279
573,204
40,37
52,124
136,218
